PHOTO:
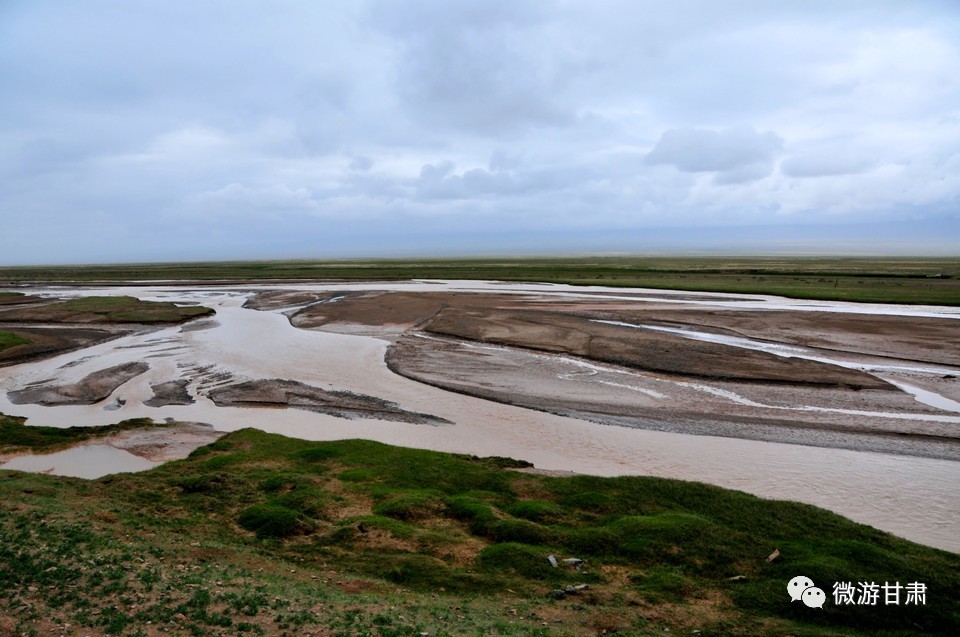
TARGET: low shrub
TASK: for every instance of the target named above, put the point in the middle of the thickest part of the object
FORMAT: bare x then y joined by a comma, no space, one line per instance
270,521
408,506
477,513
528,561
536,510
520,531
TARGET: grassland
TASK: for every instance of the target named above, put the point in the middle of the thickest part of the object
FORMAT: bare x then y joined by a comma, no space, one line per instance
894,280
258,534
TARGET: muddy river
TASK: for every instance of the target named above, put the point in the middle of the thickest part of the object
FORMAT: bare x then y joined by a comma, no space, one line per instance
914,497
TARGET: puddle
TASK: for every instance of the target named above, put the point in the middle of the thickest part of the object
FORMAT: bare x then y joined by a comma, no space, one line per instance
83,461
927,397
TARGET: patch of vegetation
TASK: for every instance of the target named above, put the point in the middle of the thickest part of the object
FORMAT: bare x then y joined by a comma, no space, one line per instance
9,339
356,537
270,521
128,309
888,280
15,436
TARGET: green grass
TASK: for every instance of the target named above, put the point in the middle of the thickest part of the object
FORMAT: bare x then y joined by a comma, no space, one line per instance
127,309
896,280
9,339
262,534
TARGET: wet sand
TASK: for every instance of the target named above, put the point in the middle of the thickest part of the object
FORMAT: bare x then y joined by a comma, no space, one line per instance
914,496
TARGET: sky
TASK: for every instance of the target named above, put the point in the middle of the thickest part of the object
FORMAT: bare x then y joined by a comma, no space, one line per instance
149,130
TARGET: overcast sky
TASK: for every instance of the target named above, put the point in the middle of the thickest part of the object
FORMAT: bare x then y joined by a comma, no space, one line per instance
150,130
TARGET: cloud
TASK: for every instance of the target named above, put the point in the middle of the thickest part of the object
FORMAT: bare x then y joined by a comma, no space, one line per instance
475,66
735,154
825,162
237,199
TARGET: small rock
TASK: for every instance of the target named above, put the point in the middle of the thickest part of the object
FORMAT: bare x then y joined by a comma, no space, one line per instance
570,590
737,578
180,617
553,560
556,594
573,561
774,555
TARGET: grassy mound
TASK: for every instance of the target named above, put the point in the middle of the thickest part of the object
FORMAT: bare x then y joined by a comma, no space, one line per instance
262,534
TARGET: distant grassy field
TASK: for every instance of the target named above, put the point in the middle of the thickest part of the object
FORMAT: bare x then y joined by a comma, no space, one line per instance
9,339
892,280
258,534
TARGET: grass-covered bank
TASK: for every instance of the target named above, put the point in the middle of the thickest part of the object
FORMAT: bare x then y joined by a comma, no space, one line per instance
262,534
15,437
890,280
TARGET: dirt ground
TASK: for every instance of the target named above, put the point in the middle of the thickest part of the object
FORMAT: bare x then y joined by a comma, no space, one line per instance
162,444
930,340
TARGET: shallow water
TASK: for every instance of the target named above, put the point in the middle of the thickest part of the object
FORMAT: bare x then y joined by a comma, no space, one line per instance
83,461
917,498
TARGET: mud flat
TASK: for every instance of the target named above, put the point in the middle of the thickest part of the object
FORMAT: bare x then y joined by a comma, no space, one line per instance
647,350
173,392
46,341
89,390
876,420
279,393
161,444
